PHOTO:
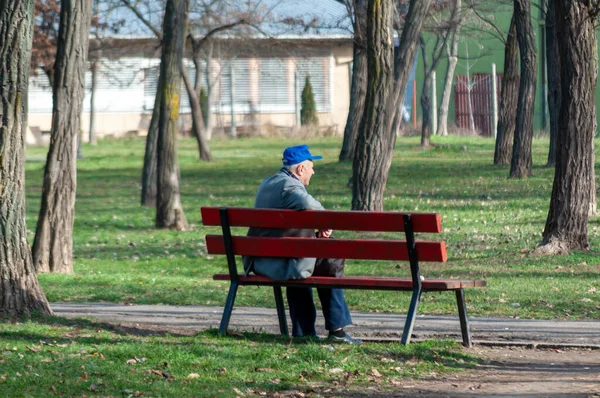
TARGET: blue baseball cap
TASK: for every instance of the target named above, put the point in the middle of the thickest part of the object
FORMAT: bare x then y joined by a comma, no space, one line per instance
297,154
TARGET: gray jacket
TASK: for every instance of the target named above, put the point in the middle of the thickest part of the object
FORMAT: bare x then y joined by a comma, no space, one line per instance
282,191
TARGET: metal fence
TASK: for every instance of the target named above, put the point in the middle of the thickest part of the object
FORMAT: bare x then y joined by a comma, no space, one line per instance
481,102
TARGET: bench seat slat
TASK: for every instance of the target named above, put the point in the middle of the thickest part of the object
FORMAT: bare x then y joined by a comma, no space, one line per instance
319,219
354,282
327,248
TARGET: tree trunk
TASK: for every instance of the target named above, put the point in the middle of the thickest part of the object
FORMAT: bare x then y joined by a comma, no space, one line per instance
567,222
426,112
509,96
20,293
385,88
53,245
553,68
197,119
405,56
520,165
150,157
169,212
358,88
425,100
373,155
452,53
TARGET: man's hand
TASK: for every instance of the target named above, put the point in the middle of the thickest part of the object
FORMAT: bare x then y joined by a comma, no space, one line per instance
324,233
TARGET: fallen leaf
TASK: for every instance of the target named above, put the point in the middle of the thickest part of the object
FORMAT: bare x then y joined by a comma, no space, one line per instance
193,376
263,370
375,372
336,370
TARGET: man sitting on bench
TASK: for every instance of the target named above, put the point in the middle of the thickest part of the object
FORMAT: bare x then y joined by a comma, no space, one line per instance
287,190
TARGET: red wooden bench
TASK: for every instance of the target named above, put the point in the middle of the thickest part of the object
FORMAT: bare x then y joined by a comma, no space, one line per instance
364,249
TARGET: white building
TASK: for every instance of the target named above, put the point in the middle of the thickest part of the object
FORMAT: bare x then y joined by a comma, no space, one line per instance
269,71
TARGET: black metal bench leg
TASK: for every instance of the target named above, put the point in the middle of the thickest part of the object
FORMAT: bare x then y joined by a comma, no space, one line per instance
228,308
464,321
410,317
283,328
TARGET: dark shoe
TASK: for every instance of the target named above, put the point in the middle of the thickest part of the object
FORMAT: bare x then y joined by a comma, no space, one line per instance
344,339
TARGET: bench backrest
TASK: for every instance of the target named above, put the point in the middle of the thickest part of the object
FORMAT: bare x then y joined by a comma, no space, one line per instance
366,249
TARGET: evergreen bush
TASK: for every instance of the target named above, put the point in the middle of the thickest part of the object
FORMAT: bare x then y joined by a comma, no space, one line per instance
308,112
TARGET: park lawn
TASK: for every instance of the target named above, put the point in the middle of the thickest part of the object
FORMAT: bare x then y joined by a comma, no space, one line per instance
491,223
59,357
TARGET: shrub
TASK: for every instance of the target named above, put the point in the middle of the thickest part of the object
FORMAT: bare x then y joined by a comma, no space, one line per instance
308,112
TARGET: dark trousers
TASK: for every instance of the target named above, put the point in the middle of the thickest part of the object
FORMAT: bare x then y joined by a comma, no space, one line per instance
304,314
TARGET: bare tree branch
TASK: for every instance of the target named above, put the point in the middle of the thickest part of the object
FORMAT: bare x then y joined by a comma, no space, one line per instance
197,44
153,28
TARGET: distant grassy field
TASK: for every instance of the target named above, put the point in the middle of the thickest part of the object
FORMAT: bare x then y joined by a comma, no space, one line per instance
490,224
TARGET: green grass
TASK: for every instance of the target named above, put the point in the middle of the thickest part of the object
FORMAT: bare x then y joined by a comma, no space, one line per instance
490,224
57,357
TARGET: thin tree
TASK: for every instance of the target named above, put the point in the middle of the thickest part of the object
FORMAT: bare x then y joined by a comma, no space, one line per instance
21,293
451,48
405,56
53,245
553,70
358,88
169,212
149,177
567,222
441,36
213,22
386,85
521,162
509,96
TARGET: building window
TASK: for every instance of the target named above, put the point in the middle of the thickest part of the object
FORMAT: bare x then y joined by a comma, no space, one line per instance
273,86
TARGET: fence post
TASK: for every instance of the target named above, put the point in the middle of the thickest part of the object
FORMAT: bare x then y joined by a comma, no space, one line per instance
433,104
232,99
494,102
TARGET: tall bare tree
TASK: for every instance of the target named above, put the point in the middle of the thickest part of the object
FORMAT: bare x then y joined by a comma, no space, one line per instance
169,212
20,292
451,47
509,97
521,162
441,37
358,88
53,245
386,86
553,68
567,222
405,56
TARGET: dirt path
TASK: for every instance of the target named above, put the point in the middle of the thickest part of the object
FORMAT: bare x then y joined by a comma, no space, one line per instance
517,372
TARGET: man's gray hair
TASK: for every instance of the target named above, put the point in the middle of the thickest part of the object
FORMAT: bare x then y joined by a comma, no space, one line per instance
294,167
